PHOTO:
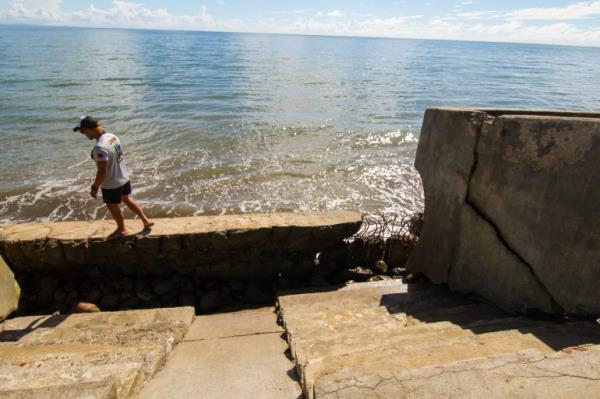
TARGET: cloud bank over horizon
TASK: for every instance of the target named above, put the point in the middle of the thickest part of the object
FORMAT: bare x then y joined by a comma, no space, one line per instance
574,23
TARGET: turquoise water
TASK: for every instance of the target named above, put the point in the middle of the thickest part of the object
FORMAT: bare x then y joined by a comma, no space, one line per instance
220,123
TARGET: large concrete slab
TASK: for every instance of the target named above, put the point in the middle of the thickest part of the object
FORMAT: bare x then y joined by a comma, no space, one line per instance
359,295
100,355
252,366
138,318
164,334
65,356
232,324
526,374
127,378
101,389
510,207
250,245
362,340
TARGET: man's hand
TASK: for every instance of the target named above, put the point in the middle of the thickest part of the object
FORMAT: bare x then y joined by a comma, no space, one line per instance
94,192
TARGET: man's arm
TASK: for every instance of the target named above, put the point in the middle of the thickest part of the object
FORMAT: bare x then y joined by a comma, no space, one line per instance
100,176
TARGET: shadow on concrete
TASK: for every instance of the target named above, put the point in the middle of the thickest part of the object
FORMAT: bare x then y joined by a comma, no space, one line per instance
8,335
432,304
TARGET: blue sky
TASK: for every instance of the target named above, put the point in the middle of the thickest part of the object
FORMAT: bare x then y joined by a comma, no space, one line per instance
531,21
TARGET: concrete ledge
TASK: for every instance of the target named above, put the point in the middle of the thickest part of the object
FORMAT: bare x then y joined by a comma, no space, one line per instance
246,246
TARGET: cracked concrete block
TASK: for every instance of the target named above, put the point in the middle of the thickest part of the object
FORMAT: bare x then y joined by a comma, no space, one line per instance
484,265
531,178
537,179
9,291
444,159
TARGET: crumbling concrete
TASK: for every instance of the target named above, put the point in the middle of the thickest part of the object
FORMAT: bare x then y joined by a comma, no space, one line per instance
9,291
510,207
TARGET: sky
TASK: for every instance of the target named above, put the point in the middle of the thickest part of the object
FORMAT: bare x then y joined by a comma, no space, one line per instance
525,21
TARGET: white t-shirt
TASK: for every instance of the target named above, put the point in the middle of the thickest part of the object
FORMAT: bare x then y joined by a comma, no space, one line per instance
108,148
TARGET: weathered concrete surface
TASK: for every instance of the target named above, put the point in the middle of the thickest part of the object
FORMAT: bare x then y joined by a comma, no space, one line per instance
386,347
233,324
247,361
101,389
248,246
101,355
525,374
9,291
130,318
510,207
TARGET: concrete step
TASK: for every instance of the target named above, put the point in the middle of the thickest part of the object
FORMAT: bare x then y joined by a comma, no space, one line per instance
368,338
233,355
291,305
101,389
64,356
127,378
567,374
331,324
102,319
556,336
166,334
110,354
395,358
417,303
379,322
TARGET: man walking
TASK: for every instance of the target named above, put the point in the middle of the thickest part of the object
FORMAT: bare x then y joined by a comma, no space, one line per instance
111,174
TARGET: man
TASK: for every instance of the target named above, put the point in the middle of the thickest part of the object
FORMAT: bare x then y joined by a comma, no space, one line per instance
111,175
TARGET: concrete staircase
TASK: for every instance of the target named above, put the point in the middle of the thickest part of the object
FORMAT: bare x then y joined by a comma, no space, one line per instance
395,340
94,355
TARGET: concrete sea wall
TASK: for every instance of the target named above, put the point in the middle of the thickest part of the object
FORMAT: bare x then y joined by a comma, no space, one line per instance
58,264
511,207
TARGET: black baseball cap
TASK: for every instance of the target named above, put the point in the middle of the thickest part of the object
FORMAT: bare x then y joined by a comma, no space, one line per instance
86,121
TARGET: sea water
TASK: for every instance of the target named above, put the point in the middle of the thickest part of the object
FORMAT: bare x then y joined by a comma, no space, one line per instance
224,122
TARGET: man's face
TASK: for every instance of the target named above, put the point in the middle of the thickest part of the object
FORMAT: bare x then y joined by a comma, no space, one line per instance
89,133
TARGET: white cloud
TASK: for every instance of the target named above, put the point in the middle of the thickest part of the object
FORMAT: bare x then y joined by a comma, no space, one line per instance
557,33
335,14
122,14
517,26
33,10
572,11
477,14
289,12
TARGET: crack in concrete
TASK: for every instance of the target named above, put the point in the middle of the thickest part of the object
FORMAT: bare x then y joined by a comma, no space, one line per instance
354,383
233,336
479,126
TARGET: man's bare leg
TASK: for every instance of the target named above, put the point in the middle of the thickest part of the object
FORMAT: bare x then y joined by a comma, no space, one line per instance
115,211
135,207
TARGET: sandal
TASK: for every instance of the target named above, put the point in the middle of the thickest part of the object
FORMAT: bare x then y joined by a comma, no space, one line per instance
117,234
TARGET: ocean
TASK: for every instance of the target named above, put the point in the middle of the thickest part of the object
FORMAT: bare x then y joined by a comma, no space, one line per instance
215,123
